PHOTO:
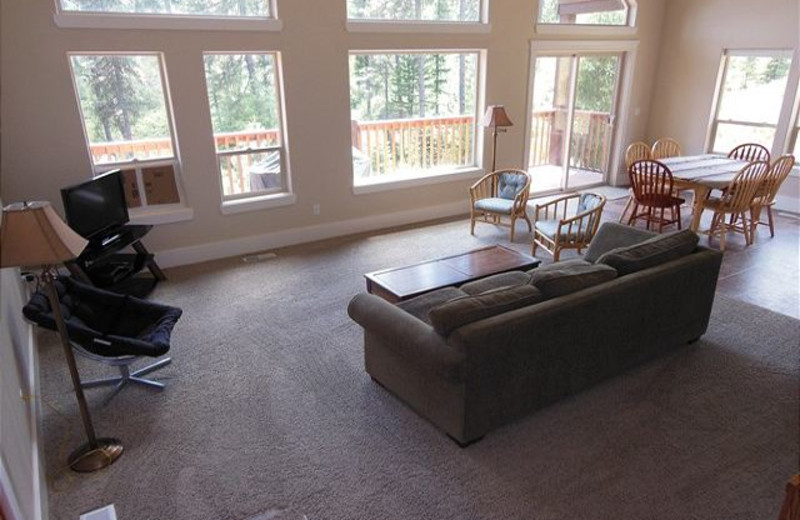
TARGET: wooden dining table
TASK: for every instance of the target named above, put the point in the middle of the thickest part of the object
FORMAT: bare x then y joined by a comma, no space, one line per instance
701,174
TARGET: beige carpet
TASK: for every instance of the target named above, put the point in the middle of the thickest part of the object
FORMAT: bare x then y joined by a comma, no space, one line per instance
270,415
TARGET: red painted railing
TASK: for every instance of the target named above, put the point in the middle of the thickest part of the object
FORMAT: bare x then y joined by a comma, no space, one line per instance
591,137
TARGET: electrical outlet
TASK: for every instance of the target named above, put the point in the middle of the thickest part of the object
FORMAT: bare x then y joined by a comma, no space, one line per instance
315,209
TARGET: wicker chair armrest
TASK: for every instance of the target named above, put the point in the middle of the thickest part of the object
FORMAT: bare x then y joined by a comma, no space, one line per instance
553,203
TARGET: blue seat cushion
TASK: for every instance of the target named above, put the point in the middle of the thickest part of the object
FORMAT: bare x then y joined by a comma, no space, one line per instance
495,205
549,228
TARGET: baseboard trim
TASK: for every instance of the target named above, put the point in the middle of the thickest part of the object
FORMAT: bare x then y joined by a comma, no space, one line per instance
246,245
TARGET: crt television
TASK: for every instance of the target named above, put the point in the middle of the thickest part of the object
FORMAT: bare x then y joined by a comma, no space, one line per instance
96,208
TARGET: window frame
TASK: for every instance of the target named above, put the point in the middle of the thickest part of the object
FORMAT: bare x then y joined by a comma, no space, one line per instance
629,28
261,199
146,213
782,130
473,171
371,25
70,19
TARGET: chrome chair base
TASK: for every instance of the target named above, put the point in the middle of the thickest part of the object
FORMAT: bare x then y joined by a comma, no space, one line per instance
126,376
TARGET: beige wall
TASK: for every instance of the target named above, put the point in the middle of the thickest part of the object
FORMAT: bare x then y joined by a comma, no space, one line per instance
43,145
695,34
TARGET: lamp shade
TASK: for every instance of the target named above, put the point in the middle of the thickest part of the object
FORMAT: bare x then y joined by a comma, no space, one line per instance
32,234
496,116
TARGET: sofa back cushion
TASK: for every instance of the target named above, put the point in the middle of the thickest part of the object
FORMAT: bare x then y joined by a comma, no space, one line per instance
612,235
652,252
570,276
451,315
419,306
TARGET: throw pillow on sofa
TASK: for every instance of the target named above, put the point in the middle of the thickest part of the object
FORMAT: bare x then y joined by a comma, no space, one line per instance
496,281
451,315
570,276
650,253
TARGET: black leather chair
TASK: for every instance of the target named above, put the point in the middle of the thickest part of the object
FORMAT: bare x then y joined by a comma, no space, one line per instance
112,328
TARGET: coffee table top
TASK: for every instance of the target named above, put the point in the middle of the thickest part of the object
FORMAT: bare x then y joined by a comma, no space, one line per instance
402,283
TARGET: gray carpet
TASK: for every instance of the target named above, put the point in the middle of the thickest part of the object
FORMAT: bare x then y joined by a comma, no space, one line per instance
269,414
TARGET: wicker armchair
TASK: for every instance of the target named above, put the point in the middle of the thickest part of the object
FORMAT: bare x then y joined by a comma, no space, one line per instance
503,193
555,228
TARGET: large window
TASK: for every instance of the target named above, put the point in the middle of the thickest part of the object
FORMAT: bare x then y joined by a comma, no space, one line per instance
127,122
751,96
413,114
228,8
415,10
585,12
245,100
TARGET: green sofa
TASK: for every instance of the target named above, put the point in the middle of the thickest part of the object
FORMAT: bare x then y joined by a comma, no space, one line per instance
473,358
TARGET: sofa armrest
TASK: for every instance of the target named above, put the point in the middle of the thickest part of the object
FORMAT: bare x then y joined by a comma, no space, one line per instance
612,235
405,335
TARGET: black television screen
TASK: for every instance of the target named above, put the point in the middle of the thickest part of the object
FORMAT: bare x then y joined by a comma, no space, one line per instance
95,208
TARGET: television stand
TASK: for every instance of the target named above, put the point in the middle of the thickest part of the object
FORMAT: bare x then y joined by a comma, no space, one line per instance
103,264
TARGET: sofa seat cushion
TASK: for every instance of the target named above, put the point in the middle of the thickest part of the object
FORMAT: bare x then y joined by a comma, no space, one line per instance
451,315
495,205
420,305
570,276
652,252
496,281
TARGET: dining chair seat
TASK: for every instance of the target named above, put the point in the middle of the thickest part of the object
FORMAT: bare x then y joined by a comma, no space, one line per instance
658,200
495,205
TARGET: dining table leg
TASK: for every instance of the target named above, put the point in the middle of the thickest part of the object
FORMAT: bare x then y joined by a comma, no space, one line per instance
700,194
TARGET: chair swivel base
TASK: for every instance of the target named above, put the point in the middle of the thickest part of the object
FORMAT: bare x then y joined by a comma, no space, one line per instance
126,376
87,459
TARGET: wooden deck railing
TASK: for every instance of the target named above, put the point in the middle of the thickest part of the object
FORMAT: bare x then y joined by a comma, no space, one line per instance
591,136
419,143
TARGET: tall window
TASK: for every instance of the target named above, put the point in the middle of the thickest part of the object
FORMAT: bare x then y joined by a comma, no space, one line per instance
750,99
245,100
585,12
413,114
125,114
230,8
415,10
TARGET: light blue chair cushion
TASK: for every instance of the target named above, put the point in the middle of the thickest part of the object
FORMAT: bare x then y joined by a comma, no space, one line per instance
549,228
510,184
495,205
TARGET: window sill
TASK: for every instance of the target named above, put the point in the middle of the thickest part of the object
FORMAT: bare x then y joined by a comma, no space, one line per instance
398,183
578,30
379,26
74,20
273,200
156,215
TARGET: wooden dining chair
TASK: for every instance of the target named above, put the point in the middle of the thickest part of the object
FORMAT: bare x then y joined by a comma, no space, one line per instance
665,148
765,197
653,195
749,152
637,151
736,200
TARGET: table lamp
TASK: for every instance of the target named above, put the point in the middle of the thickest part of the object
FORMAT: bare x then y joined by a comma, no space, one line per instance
496,119
32,234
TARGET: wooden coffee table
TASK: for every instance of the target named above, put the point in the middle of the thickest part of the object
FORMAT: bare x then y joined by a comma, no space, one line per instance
401,283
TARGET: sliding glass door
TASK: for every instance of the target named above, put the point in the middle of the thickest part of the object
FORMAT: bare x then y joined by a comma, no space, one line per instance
574,103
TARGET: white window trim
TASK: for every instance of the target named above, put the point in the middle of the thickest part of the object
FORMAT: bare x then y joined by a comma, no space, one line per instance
426,176
107,20
256,200
575,29
163,209
783,132
423,179
629,49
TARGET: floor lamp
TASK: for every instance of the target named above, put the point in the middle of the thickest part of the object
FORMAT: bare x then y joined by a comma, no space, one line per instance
32,234
496,119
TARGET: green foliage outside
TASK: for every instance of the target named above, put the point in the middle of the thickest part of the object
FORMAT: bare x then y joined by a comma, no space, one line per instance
597,80
745,71
190,7
439,10
401,86
121,97
242,92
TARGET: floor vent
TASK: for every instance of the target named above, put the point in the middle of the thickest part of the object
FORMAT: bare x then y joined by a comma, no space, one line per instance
106,513
258,257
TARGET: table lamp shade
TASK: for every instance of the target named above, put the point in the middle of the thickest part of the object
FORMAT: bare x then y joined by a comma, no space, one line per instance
32,234
496,116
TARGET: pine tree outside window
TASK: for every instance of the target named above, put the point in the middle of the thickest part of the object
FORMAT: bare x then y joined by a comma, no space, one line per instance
413,114
219,8
457,11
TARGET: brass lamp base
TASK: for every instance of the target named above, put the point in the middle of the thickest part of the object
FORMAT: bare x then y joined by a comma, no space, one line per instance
87,459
